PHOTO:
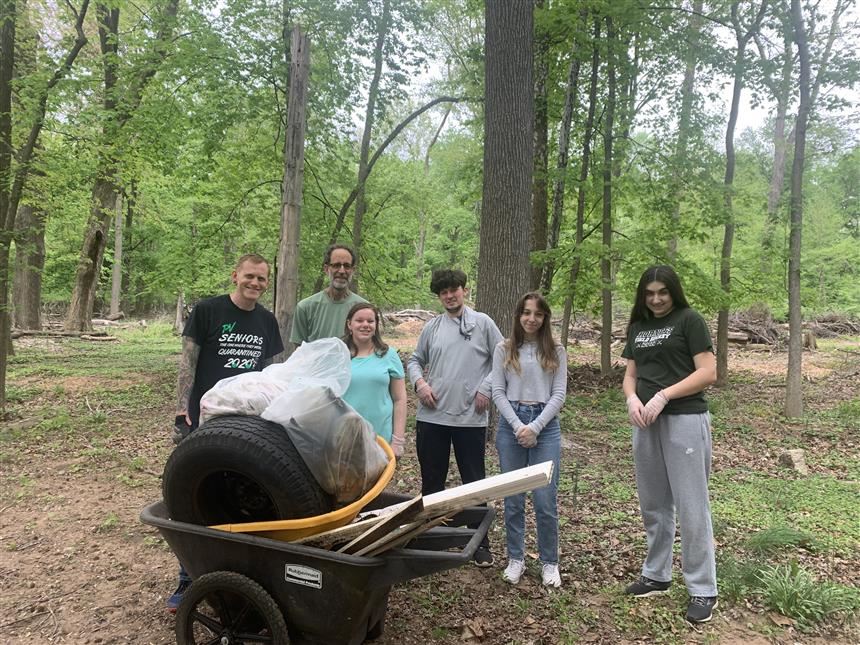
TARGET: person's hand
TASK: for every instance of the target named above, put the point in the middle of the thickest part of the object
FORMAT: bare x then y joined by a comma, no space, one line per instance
654,407
425,394
634,411
482,402
398,442
526,437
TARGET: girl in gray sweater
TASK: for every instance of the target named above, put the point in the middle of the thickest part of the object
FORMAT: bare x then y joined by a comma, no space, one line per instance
529,387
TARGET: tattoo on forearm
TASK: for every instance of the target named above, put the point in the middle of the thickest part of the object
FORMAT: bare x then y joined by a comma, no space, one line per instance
187,368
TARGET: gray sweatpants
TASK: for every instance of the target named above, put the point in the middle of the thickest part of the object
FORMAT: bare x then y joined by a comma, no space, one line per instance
673,463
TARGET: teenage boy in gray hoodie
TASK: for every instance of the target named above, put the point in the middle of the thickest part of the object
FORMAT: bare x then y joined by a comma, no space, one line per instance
450,371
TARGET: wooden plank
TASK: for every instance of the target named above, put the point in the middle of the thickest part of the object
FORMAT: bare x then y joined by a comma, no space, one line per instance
385,525
448,502
393,541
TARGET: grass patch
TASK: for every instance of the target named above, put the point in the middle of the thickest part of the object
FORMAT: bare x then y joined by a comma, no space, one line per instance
779,538
793,592
821,507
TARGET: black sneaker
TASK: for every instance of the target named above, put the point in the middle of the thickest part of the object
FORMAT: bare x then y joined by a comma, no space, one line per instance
701,609
483,558
646,587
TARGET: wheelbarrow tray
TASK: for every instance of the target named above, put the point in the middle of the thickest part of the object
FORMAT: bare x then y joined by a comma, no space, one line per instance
326,597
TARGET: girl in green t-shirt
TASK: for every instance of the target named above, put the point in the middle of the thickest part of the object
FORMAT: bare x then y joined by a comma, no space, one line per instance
670,361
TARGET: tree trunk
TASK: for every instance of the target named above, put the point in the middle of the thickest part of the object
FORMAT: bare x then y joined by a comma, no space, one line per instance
341,215
506,223
104,189
11,189
583,176
423,213
130,304
540,194
684,118
287,282
728,186
570,105
116,269
606,258
794,379
364,154
8,17
781,142
29,263
79,316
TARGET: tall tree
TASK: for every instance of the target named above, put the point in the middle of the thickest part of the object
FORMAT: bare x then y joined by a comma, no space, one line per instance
383,24
540,194
119,106
584,166
743,34
685,114
13,180
606,220
571,99
287,284
506,223
794,380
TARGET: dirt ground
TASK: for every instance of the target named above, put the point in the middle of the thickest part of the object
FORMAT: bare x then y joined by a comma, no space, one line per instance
77,566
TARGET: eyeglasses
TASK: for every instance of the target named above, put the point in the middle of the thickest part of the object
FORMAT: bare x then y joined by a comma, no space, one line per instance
346,266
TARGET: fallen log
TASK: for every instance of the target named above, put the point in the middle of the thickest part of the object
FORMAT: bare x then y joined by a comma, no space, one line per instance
87,335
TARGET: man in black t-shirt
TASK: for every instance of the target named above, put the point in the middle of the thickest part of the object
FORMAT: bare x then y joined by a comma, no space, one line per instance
225,336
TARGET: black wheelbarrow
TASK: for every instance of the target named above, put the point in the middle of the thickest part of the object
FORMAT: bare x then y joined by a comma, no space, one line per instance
251,589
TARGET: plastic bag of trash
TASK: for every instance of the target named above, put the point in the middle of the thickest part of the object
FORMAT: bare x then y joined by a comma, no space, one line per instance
337,444
247,394
323,362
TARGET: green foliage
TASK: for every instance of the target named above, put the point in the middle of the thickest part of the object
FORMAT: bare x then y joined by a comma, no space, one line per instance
778,538
794,592
822,508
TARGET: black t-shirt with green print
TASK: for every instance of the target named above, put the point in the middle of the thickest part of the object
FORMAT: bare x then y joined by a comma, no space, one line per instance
232,341
663,349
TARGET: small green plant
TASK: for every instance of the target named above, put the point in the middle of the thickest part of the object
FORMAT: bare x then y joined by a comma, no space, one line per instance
793,592
738,578
109,523
778,538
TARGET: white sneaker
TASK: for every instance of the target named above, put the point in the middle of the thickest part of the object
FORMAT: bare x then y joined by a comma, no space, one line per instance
514,571
551,576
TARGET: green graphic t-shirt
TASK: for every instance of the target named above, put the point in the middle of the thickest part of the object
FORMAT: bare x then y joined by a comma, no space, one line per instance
663,349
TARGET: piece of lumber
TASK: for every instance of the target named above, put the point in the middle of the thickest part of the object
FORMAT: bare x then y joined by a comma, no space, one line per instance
399,538
384,526
448,502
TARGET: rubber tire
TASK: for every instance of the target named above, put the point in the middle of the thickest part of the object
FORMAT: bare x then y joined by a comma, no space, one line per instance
242,597
236,469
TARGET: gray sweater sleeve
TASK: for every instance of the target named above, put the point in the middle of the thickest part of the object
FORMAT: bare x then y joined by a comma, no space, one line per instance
500,388
557,393
418,360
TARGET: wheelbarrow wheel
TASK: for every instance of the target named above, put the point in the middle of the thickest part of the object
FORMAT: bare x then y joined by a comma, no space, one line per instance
236,469
230,609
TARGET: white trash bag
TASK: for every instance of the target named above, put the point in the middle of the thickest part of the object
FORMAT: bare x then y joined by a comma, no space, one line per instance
322,362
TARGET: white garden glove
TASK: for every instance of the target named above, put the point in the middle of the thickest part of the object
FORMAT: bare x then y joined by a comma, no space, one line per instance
526,437
398,442
634,411
425,393
654,407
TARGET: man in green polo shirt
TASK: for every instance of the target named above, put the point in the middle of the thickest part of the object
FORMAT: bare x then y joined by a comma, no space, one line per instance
323,315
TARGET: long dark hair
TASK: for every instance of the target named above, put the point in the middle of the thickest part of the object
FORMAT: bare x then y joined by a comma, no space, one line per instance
545,343
379,347
659,273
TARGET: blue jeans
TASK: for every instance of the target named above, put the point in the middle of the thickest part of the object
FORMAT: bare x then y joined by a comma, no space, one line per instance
512,456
